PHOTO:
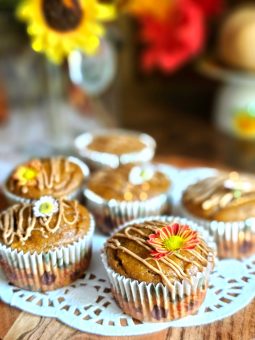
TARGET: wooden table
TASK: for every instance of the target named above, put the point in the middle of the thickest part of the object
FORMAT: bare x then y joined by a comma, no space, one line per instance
15,324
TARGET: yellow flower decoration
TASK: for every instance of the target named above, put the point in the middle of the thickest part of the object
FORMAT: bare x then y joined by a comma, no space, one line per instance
58,27
244,124
159,10
25,175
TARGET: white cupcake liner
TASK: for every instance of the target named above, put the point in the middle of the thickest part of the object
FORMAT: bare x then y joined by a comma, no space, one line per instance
110,214
77,194
98,160
157,303
234,239
47,270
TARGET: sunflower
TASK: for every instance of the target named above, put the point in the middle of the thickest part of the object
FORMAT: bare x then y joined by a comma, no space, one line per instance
58,27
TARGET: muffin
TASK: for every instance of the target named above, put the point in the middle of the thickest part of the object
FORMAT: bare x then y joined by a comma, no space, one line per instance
56,176
45,245
159,267
116,196
111,148
225,205
235,43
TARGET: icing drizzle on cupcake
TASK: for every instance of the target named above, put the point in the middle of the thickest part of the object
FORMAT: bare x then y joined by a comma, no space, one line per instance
20,220
56,175
225,190
201,253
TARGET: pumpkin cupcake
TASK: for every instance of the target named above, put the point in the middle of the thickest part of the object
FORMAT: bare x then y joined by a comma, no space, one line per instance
159,267
116,196
46,244
56,176
225,205
111,148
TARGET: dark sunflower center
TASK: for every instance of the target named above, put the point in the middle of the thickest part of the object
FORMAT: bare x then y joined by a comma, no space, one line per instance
62,15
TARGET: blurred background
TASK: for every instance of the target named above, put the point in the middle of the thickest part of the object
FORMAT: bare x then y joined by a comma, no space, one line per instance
180,70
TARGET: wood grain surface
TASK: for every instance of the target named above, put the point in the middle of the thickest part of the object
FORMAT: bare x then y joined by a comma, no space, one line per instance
17,325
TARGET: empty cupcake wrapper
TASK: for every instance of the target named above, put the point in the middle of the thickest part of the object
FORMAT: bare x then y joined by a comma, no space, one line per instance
157,303
98,160
111,214
234,239
47,270
77,194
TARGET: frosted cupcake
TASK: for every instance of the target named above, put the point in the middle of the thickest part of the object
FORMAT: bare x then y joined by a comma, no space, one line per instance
111,148
116,196
159,268
45,245
56,176
225,205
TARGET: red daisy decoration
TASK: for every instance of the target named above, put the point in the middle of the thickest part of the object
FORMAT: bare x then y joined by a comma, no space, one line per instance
172,238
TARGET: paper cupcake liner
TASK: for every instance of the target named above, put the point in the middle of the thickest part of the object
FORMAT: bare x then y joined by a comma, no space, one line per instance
77,194
111,214
47,270
98,160
156,302
234,239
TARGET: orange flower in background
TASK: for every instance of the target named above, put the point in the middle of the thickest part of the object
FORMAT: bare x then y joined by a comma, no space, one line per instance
172,238
153,8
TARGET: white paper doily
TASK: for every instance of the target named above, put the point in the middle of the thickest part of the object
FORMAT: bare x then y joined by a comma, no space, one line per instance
88,305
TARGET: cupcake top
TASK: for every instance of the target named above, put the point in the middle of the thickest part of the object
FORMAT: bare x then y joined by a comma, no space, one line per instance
225,197
50,176
129,182
43,225
157,251
116,144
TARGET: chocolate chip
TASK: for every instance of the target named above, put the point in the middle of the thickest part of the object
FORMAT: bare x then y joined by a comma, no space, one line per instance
191,303
159,312
246,247
48,278
75,275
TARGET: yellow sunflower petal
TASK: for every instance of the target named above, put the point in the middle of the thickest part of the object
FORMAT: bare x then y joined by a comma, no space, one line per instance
56,43
106,12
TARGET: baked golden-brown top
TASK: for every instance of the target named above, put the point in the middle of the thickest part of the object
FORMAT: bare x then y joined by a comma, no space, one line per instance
57,176
156,251
225,197
118,184
43,225
116,144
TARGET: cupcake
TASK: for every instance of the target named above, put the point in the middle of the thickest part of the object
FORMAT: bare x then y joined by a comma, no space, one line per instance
56,176
116,196
159,267
45,245
225,205
111,148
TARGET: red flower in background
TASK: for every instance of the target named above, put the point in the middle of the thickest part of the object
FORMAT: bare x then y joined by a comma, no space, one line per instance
210,7
170,43
171,40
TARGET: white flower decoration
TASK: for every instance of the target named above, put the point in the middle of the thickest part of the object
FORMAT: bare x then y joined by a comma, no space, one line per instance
141,174
46,206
